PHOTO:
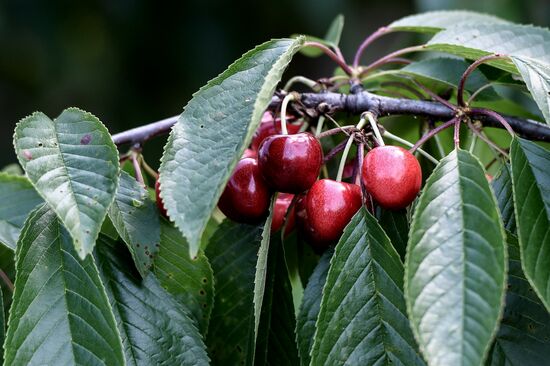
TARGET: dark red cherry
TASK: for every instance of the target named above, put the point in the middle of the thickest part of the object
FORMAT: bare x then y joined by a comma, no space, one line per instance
246,196
270,126
392,176
329,206
160,205
290,163
282,203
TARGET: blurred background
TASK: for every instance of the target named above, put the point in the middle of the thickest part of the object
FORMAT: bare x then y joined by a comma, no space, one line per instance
131,62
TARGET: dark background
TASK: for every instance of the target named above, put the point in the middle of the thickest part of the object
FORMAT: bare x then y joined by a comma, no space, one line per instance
131,62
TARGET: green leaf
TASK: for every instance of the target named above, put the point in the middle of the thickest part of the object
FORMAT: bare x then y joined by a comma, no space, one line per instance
154,326
331,39
261,269
537,78
189,280
362,320
227,110
455,270
434,21
396,226
73,164
523,338
309,308
276,343
449,71
60,313
531,187
335,31
232,252
18,198
502,186
527,46
13,169
136,220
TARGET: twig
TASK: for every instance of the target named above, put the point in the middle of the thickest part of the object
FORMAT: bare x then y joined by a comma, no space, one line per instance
469,70
374,36
327,51
432,133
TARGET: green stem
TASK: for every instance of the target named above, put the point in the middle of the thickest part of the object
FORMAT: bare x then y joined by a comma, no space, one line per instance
375,129
301,80
346,151
319,127
284,107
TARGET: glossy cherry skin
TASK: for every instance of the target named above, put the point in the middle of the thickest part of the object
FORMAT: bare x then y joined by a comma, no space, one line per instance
269,126
249,153
282,203
329,206
160,205
290,163
392,176
246,196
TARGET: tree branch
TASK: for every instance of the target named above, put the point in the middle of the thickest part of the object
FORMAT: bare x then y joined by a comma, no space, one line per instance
357,104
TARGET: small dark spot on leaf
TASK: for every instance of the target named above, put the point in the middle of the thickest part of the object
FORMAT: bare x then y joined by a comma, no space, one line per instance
204,306
137,245
531,327
239,349
151,256
202,126
157,245
146,252
40,144
146,247
204,280
87,231
195,258
202,293
86,139
27,154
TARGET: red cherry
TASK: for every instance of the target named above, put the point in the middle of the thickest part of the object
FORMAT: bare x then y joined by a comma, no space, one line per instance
329,207
249,153
246,196
160,205
290,163
392,175
269,126
282,203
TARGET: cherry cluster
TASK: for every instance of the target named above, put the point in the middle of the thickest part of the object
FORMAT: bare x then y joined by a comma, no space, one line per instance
320,209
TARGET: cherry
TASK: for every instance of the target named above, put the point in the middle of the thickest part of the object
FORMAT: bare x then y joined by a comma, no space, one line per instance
392,176
290,163
160,205
329,206
282,204
249,153
270,126
246,196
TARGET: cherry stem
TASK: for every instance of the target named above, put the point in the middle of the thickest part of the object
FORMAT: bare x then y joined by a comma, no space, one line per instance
334,56
374,126
456,135
148,168
469,70
473,143
6,280
320,123
374,36
332,153
496,149
435,97
384,60
410,145
333,131
301,80
137,167
347,148
358,164
494,115
477,92
284,107
432,133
